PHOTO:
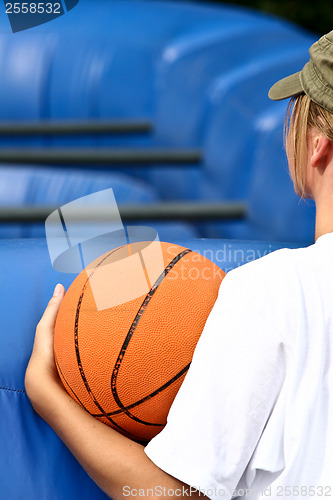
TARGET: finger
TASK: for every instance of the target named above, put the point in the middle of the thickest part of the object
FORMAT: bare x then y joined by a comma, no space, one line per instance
50,314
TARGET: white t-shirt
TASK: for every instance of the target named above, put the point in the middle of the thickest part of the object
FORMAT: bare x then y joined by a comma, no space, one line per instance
255,411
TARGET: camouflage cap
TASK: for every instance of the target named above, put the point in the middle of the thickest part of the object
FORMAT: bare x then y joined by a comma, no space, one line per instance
315,79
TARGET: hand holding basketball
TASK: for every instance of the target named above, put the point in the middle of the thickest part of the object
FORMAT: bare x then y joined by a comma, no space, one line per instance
41,370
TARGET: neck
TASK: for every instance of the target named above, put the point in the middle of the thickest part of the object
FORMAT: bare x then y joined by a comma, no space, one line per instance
324,216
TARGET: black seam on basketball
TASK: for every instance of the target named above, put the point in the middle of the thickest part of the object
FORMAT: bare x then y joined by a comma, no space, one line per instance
130,335
151,395
77,351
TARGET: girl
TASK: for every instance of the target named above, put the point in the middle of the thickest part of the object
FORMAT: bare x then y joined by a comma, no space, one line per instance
254,416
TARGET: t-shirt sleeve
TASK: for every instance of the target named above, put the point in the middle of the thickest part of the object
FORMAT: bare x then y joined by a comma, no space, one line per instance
228,394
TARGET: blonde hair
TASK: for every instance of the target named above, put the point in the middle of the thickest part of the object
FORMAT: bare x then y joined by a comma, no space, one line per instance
303,113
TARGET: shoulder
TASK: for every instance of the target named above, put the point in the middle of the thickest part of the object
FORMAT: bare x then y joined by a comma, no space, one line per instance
274,270
280,270
270,287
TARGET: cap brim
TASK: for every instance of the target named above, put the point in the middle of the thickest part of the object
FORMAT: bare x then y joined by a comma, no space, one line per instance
287,87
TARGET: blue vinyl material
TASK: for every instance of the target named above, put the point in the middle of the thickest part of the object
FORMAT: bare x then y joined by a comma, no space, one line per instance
125,65
216,107
236,102
274,208
193,73
29,186
189,65
52,187
228,128
24,66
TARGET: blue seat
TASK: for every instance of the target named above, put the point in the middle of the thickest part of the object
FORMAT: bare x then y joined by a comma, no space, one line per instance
24,66
190,63
275,211
35,463
205,81
131,90
28,186
96,70
103,72
83,86
236,102
14,191
51,187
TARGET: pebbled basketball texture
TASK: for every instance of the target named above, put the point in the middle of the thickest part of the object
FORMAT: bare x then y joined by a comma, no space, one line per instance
127,329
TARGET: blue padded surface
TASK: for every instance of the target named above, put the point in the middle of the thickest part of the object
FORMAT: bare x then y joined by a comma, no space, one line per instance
84,64
275,211
82,70
233,110
216,107
131,90
34,463
189,64
24,63
29,186
123,65
24,186
15,185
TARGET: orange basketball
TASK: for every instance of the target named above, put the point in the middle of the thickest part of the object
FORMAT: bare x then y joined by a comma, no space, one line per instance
127,329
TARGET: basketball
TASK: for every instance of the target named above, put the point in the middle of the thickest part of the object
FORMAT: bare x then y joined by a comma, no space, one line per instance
126,331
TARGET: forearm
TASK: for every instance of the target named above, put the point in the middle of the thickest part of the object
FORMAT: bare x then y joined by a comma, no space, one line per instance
112,460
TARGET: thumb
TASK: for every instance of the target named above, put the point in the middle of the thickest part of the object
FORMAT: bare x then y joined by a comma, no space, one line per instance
51,311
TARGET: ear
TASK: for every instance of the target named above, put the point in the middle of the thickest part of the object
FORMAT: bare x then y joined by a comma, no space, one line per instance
321,149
